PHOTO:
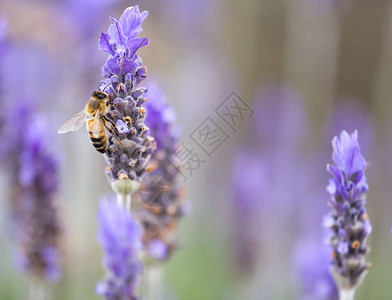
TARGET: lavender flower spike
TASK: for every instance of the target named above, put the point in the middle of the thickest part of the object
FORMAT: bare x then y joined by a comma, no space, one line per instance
120,238
162,192
129,145
348,220
34,167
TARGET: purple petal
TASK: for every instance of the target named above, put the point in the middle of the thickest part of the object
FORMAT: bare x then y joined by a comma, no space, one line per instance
104,43
112,66
135,45
143,15
113,33
130,22
346,153
128,66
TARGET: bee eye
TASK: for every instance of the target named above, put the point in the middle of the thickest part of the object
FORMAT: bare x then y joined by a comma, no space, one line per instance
99,95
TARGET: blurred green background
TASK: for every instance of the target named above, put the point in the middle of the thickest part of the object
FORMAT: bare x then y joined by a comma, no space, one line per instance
326,51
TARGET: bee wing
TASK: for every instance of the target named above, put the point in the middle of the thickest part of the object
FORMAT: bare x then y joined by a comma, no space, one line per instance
73,124
97,124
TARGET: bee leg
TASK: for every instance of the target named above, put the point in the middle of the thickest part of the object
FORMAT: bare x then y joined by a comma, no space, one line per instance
116,104
113,83
111,122
113,131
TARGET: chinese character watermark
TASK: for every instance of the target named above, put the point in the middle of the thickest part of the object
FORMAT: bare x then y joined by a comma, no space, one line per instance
155,191
189,160
185,159
233,110
209,136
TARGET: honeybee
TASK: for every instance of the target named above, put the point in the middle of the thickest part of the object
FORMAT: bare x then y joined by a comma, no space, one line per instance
94,115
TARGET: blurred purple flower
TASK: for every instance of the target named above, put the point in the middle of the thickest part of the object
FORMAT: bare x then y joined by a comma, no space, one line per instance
311,262
3,33
37,165
3,46
264,191
29,70
282,127
158,249
35,169
162,191
120,238
162,118
348,220
249,186
281,122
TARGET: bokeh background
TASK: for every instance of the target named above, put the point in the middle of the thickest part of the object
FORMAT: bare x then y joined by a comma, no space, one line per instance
307,69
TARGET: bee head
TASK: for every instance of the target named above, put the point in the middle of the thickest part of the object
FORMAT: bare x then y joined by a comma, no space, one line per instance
100,95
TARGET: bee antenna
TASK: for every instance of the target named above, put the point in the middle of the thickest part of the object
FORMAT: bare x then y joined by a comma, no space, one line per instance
106,86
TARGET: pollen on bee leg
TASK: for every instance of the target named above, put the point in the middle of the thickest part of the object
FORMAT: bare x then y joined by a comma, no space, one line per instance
127,119
355,244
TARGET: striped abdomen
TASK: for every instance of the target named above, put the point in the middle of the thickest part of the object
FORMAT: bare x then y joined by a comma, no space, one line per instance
99,142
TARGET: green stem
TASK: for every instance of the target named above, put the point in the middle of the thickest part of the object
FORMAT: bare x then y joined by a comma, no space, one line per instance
124,201
37,290
124,188
152,287
346,294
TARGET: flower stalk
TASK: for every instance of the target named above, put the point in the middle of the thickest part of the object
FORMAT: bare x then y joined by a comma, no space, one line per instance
153,275
346,294
37,290
124,189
